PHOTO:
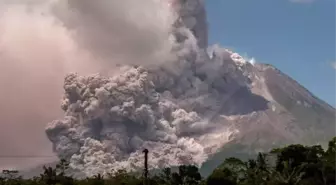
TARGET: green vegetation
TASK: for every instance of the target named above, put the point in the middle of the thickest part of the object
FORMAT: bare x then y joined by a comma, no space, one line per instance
291,165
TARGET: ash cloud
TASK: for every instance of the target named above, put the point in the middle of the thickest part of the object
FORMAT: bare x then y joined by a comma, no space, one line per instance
38,48
169,109
127,32
158,85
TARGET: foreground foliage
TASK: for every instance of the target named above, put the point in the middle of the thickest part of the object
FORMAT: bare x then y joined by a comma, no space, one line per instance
291,165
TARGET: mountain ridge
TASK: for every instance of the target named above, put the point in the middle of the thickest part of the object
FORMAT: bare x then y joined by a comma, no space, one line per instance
184,111
258,137
318,128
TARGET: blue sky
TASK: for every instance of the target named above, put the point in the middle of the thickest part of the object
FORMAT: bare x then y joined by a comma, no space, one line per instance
296,36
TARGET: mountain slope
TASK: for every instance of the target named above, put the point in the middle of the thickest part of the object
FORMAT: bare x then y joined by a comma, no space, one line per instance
294,115
185,110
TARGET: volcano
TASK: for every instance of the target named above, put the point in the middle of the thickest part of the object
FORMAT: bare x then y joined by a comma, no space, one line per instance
198,107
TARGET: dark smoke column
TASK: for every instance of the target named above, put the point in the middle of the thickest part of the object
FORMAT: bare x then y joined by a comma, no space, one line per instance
193,16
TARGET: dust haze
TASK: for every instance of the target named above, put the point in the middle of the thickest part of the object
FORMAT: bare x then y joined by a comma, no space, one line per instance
42,41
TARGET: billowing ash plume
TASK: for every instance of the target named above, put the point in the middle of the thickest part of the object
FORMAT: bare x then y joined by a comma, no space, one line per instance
56,41
171,108
127,32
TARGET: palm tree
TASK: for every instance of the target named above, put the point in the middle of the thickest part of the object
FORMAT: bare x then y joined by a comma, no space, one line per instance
289,175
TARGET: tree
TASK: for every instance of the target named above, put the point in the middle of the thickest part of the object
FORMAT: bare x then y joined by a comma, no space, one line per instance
221,177
165,177
121,177
295,165
62,167
52,176
49,175
289,175
189,175
258,171
237,167
328,164
96,180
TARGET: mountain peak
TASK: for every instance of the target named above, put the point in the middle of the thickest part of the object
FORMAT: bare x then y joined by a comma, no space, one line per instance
186,110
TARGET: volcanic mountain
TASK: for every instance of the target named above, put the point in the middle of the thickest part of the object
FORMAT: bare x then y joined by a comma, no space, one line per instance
273,111
204,104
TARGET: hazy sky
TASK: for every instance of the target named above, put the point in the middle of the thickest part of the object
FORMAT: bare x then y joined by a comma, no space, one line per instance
296,36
